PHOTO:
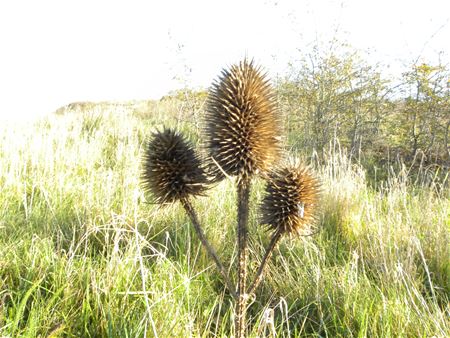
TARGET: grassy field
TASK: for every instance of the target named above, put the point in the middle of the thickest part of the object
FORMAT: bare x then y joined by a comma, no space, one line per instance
84,254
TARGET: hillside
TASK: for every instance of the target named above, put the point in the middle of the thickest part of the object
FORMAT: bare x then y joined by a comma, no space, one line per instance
83,252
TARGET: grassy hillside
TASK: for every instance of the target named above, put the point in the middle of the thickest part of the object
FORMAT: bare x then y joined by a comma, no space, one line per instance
84,254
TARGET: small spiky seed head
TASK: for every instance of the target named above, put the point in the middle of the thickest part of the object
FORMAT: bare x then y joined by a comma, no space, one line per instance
242,122
291,199
171,168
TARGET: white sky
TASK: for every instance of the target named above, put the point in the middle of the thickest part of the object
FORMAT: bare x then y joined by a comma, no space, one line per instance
53,52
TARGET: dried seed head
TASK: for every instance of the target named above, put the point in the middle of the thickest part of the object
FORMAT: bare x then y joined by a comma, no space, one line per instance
291,199
242,122
171,168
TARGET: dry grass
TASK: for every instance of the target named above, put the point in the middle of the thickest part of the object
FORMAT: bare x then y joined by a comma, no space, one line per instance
83,254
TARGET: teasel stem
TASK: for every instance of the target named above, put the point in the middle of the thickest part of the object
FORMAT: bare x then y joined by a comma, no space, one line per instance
243,191
201,235
269,250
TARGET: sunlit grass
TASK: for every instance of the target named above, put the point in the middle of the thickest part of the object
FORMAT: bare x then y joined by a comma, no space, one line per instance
84,253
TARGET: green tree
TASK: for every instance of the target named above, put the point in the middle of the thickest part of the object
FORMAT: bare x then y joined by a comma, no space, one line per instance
329,95
423,117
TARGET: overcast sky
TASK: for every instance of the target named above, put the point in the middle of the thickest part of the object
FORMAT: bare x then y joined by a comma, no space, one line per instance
53,52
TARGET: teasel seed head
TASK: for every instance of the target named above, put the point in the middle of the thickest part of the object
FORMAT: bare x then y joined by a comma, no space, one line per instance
290,204
242,122
171,168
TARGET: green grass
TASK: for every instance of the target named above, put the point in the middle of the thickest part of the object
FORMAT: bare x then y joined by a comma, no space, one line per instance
84,254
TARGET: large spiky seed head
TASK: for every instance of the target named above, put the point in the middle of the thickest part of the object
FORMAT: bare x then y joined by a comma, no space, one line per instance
242,122
171,168
290,203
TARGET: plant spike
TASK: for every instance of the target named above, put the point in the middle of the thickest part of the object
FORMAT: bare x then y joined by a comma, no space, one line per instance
289,207
172,172
243,140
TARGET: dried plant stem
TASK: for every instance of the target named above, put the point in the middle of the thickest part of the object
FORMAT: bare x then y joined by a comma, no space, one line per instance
241,306
269,250
201,235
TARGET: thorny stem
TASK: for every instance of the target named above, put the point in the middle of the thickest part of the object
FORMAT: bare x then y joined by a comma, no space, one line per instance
269,250
201,235
243,191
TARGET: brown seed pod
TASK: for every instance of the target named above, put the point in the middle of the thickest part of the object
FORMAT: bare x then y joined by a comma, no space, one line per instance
291,199
242,122
171,168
